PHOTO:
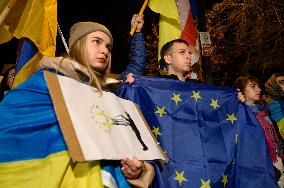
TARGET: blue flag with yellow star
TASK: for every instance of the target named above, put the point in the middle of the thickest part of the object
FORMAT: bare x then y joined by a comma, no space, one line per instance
211,139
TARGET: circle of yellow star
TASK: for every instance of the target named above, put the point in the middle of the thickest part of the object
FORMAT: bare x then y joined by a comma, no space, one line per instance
225,180
214,103
161,111
180,178
156,131
104,121
176,98
196,95
205,184
231,118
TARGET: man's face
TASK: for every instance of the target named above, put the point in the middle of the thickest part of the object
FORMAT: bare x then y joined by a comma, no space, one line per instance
179,60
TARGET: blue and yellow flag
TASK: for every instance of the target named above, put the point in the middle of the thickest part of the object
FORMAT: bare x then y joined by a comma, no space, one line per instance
27,61
276,108
33,152
35,21
211,139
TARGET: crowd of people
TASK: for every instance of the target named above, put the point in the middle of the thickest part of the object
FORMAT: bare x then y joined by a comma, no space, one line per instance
89,62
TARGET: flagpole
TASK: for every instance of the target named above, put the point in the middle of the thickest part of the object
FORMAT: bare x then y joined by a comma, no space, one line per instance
6,10
140,13
62,38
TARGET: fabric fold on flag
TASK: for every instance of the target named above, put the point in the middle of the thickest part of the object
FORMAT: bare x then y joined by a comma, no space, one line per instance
27,61
211,139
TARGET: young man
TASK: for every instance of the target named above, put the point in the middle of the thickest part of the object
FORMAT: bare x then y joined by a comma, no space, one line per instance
177,56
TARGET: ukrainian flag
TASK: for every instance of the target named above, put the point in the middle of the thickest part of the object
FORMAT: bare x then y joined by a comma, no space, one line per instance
33,152
276,108
35,22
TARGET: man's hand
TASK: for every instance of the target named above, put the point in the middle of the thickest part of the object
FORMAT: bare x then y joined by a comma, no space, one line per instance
131,168
140,20
129,78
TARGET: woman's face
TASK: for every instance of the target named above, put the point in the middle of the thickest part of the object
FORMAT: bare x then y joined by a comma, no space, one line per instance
10,78
252,92
99,48
280,81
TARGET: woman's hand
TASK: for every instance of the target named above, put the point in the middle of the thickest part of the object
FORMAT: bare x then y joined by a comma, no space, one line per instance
132,168
241,96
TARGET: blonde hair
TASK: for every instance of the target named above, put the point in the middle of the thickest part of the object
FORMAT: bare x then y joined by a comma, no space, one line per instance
78,52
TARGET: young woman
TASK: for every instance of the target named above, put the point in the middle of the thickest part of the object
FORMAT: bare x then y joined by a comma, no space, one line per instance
249,87
30,128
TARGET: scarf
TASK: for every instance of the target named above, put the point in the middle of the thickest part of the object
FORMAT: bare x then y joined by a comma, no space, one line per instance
273,89
274,144
74,70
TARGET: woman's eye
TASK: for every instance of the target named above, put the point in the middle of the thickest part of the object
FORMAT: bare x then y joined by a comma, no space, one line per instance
96,41
109,48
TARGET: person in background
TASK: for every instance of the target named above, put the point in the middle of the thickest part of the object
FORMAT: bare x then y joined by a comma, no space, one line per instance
7,81
274,96
249,87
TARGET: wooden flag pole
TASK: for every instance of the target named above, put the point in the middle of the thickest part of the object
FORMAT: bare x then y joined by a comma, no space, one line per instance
140,13
6,10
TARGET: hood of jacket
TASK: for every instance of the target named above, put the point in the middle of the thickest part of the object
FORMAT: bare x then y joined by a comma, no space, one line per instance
71,69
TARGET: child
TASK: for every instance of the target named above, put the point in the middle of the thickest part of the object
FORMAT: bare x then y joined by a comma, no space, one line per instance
249,87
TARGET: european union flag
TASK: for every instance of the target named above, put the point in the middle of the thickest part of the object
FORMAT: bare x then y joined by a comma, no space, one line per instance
211,139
